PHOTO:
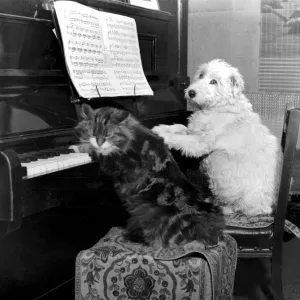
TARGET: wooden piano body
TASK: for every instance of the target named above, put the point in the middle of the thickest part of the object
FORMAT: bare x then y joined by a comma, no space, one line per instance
50,207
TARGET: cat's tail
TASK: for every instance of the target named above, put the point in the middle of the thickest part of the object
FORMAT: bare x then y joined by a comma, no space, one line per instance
193,224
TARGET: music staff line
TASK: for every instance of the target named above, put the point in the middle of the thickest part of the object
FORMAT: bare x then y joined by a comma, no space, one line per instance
100,77
121,33
94,91
80,35
92,23
82,14
120,27
75,27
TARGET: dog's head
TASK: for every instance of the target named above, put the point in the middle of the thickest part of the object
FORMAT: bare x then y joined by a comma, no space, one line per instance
216,83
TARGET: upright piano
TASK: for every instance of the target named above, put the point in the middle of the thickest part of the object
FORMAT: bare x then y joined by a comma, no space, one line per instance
52,201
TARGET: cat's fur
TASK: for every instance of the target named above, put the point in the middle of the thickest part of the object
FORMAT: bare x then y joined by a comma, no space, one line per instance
165,207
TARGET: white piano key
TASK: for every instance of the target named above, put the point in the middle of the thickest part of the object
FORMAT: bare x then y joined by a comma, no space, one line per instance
57,163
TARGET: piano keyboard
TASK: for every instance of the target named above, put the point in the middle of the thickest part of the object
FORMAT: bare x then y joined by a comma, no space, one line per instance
51,160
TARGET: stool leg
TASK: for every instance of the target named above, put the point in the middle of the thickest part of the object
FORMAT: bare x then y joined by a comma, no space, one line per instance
277,278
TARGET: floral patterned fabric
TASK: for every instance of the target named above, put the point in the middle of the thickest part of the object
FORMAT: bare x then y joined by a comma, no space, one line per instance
115,269
260,221
244,221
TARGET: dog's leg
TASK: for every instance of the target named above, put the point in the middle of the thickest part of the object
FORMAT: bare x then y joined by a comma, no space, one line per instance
190,145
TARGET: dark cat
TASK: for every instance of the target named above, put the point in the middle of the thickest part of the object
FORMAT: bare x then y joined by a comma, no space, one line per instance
164,206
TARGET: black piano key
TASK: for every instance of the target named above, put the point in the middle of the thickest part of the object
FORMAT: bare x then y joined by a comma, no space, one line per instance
50,153
38,155
66,151
24,159
71,150
33,156
43,154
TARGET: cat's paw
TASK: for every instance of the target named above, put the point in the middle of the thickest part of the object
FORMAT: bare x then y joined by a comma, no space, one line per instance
75,148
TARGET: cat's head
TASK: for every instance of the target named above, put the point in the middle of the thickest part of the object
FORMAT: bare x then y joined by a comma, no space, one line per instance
106,130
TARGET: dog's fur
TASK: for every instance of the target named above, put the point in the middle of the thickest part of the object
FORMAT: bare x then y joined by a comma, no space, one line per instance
242,158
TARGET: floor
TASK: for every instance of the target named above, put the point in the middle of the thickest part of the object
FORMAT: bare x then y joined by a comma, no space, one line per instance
38,261
246,280
291,267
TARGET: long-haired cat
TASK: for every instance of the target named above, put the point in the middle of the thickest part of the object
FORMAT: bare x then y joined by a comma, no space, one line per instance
164,207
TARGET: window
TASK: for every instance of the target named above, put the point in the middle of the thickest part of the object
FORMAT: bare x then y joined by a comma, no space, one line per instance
279,69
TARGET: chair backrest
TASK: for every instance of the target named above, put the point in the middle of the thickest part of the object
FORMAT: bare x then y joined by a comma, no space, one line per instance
289,143
289,107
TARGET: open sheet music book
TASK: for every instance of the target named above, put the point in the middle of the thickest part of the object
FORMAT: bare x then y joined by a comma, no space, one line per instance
101,51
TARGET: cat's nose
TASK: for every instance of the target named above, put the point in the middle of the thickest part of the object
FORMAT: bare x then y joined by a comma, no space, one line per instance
192,94
94,143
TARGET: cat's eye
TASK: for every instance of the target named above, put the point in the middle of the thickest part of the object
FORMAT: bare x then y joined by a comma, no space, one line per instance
201,76
213,81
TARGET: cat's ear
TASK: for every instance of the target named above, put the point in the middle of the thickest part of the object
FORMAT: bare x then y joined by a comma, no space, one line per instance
122,116
127,119
86,112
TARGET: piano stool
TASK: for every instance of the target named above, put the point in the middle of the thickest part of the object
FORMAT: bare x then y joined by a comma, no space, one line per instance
118,269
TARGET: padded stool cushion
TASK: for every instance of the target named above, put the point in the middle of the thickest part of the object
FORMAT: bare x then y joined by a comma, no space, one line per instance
251,232
117,269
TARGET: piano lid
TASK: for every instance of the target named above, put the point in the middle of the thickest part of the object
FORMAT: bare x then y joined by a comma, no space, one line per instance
34,88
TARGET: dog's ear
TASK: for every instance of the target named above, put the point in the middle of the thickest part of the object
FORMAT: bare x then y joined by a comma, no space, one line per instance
237,85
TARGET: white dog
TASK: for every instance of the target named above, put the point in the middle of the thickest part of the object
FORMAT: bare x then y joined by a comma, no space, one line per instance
243,159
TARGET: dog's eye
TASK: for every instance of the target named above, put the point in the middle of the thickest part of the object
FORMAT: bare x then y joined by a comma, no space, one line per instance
201,76
213,81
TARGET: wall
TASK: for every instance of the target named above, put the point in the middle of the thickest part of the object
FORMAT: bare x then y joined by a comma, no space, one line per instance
227,29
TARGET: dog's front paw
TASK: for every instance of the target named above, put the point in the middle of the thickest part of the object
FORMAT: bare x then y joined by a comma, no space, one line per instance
161,130
170,140
178,128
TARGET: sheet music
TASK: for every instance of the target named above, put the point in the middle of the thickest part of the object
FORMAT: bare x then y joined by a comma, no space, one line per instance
101,51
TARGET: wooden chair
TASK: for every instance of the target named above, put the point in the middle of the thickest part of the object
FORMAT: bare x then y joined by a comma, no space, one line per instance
256,241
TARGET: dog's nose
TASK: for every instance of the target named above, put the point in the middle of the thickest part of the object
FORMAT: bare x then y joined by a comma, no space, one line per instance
192,93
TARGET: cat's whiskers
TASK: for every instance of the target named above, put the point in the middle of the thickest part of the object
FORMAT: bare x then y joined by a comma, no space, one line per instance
107,148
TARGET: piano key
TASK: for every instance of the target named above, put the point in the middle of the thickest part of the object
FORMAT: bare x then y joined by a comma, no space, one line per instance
48,161
36,154
50,167
26,158
33,156
49,153
44,166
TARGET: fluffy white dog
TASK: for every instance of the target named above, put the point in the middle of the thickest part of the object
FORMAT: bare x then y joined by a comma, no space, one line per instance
241,157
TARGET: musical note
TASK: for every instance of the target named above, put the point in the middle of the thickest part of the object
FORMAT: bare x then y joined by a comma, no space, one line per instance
101,50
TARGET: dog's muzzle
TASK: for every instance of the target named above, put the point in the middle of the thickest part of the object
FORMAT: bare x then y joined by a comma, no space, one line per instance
192,94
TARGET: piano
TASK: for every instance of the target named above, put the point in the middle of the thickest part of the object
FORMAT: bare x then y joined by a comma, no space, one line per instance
39,175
